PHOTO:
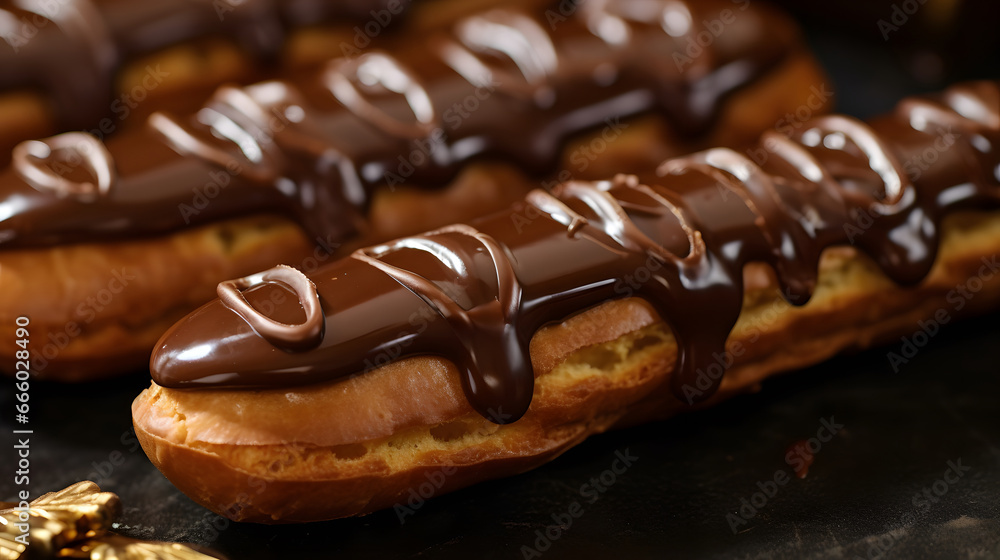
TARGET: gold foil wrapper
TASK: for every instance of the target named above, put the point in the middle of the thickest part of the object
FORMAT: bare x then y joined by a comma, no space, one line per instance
76,522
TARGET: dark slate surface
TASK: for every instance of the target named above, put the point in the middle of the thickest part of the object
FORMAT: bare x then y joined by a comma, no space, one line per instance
863,496
900,431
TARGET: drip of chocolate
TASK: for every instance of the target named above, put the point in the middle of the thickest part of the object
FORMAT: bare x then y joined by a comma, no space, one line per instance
72,49
476,293
502,83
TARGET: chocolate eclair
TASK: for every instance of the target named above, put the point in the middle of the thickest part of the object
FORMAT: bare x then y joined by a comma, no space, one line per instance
104,245
491,347
97,65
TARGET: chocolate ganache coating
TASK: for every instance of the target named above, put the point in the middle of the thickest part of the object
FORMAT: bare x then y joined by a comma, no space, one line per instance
476,293
72,49
315,147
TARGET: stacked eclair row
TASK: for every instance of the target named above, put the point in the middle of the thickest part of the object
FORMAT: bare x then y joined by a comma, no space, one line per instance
92,64
102,66
492,347
106,244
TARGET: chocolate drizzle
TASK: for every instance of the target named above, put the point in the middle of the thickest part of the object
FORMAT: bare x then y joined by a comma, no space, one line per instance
304,336
72,48
84,152
502,83
477,293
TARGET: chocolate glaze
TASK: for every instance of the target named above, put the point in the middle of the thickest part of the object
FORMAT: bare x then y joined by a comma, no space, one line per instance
477,293
502,83
72,49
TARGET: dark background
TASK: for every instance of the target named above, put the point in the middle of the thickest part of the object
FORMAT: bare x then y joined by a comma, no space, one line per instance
901,429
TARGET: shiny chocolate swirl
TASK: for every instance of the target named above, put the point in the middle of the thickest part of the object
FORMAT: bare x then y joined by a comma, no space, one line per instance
72,49
477,293
502,83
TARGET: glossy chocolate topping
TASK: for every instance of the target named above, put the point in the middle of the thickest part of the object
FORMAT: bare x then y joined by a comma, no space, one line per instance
502,83
477,293
72,49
